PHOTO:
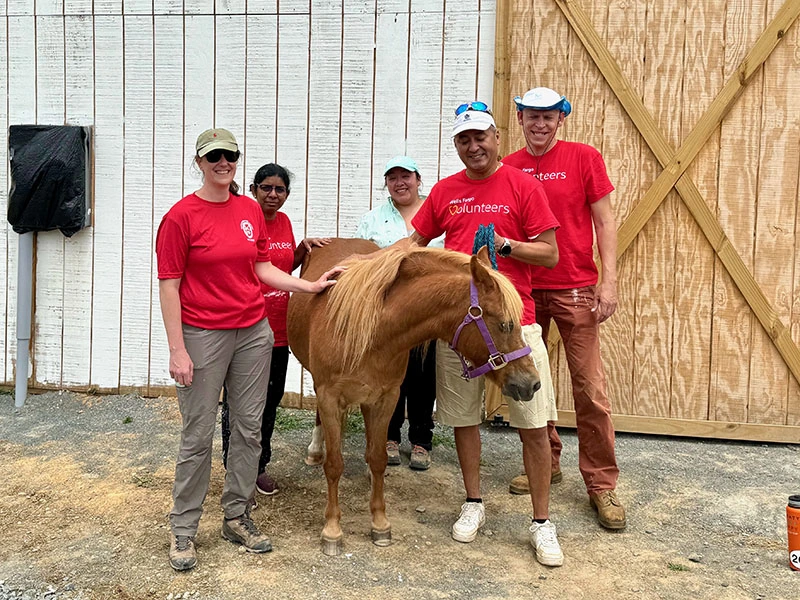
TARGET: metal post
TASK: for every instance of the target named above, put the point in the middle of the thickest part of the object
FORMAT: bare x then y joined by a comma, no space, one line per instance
24,293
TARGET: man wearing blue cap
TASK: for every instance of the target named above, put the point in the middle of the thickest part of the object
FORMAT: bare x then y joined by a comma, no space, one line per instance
577,185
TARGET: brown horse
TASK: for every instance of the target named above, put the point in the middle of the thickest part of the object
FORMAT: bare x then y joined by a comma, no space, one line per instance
354,339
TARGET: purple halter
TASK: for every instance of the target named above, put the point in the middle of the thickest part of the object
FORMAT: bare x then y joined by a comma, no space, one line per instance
496,359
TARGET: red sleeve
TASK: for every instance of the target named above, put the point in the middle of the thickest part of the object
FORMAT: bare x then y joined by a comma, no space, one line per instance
597,185
425,222
172,247
261,242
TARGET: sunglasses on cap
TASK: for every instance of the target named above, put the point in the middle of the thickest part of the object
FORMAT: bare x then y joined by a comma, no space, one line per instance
477,105
216,155
267,189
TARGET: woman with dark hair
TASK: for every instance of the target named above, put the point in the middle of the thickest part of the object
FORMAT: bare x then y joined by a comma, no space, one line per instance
271,187
213,255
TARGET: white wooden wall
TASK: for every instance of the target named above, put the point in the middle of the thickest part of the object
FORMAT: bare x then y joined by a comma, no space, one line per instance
329,88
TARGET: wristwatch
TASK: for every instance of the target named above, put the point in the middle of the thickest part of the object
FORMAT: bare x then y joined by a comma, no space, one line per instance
505,249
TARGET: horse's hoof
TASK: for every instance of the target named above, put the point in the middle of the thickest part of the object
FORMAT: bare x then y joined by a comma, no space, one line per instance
314,460
382,538
332,547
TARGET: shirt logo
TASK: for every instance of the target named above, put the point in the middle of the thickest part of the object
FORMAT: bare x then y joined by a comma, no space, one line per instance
247,228
460,206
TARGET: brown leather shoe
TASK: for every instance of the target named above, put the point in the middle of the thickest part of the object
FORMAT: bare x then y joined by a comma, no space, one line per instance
182,555
519,485
242,530
610,511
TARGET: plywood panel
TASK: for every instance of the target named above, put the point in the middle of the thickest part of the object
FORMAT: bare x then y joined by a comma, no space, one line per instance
137,213
733,321
49,282
167,185
703,66
324,127
358,59
109,151
79,108
774,227
656,244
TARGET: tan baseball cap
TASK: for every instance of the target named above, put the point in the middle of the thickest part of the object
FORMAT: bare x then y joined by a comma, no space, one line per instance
215,139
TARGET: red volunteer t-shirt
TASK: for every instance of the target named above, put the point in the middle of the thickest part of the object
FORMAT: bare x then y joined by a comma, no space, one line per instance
213,247
515,203
574,176
281,245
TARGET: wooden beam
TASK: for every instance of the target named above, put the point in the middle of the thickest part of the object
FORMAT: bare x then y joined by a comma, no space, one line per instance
720,430
502,72
675,163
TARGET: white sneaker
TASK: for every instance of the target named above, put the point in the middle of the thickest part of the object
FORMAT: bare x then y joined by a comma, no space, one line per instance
543,538
472,518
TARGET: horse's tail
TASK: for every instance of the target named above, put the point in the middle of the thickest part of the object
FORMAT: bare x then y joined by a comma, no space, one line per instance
356,303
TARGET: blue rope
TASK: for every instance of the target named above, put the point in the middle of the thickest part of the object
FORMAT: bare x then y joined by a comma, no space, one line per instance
485,237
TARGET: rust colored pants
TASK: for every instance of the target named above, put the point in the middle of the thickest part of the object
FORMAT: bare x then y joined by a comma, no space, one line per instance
580,332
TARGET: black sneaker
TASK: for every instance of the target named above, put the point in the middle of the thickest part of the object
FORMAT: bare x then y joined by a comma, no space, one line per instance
242,530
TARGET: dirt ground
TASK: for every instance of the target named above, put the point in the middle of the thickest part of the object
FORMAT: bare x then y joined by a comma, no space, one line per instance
86,491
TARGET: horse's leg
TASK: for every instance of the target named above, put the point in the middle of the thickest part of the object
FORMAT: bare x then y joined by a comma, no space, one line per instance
316,449
331,418
376,422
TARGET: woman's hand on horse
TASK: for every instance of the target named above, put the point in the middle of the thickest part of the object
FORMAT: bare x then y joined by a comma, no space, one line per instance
181,367
328,278
309,243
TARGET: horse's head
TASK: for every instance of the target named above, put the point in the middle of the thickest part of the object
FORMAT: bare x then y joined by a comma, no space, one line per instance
501,311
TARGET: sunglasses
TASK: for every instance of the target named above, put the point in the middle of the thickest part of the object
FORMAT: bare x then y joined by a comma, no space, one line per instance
477,105
216,155
267,189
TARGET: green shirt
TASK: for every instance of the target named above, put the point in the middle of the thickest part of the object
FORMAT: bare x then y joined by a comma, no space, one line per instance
384,225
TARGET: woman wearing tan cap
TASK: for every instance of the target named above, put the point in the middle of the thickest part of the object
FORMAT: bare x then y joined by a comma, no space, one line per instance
212,258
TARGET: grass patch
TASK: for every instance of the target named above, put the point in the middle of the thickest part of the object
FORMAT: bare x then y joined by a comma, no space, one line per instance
143,480
293,420
444,440
354,423
127,420
677,567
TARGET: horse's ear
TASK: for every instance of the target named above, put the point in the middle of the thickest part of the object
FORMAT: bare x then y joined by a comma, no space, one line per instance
483,256
479,266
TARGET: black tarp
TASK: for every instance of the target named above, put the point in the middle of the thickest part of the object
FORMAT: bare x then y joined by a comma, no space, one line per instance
49,178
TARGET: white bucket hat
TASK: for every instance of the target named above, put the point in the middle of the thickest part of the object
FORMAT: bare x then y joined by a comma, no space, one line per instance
543,98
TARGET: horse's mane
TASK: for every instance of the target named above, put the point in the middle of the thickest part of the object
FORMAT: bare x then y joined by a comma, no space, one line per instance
356,302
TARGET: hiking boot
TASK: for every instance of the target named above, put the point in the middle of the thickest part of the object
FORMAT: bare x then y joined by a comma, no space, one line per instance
519,485
610,511
182,555
472,518
393,451
548,550
242,530
266,485
420,459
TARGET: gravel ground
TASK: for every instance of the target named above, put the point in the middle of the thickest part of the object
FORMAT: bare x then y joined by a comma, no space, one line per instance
86,491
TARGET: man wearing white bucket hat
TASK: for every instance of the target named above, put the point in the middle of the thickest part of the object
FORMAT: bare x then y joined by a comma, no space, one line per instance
488,192
574,176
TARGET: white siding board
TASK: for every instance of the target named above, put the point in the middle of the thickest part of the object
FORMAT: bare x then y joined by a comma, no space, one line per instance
459,81
78,249
391,89
198,73
49,281
138,7
109,149
7,328
324,123
169,7
298,7
230,7
424,91
20,7
107,7
229,98
262,7
137,256
198,7
78,7
167,184
49,7
485,44
261,98
356,128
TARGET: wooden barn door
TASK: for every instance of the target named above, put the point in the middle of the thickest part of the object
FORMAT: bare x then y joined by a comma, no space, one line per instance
696,109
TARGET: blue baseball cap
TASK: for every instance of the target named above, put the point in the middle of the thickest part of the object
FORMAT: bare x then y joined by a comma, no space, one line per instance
404,162
543,98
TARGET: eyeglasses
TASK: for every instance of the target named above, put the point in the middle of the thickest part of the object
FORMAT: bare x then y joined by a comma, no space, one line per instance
267,189
216,155
477,105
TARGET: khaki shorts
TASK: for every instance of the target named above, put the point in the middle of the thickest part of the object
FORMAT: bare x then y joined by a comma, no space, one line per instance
459,403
